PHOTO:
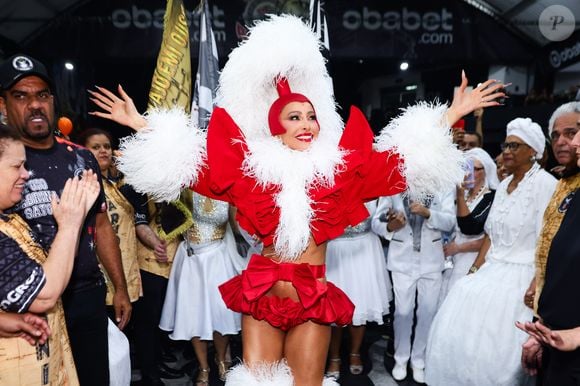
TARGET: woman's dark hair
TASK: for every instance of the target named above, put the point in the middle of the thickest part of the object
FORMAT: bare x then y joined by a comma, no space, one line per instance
7,133
86,134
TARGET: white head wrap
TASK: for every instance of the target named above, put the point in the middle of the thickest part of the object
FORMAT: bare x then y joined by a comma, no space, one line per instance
529,132
490,167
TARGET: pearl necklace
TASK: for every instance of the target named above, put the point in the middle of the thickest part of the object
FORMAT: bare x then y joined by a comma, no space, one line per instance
499,225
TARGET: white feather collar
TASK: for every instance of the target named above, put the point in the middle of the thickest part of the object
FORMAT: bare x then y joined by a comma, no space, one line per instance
269,161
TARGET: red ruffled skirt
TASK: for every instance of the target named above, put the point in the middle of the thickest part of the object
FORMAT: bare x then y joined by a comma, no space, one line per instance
319,302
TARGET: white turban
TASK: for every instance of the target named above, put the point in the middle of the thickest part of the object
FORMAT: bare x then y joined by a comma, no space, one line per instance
529,132
489,166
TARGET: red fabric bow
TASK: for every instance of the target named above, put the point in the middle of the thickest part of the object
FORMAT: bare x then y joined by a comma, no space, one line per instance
262,273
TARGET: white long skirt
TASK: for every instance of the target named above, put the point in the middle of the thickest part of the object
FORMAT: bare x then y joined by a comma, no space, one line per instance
357,266
473,339
193,304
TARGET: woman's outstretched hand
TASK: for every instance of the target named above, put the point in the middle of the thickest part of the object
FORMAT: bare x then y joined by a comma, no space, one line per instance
484,95
121,110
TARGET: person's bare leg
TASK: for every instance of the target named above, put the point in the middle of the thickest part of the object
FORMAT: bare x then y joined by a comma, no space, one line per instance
333,368
305,348
357,334
221,343
228,353
261,341
200,349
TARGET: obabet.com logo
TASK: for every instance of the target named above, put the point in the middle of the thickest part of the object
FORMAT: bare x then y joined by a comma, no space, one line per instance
432,27
143,18
559,58
404,19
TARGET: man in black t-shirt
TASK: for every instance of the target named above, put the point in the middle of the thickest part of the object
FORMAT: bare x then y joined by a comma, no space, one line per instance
28,105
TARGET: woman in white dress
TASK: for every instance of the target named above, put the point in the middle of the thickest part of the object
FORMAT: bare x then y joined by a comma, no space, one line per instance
356,263
473,340
193,308
472,209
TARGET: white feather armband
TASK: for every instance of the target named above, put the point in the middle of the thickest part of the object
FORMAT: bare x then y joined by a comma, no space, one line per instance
432,162
165,157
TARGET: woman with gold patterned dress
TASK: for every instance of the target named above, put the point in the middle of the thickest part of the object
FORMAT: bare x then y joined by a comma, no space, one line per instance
32,279
125,209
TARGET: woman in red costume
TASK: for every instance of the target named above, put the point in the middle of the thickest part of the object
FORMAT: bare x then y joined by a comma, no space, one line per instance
277,150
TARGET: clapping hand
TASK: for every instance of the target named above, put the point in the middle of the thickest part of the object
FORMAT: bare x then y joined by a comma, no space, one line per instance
76,199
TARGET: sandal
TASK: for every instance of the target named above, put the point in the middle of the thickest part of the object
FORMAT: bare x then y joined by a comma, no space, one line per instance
334,374
355,369
223,367
202,377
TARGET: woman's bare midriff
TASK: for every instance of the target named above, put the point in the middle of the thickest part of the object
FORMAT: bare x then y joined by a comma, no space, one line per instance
313,255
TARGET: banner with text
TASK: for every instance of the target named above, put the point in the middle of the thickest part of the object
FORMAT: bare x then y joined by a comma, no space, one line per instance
412,29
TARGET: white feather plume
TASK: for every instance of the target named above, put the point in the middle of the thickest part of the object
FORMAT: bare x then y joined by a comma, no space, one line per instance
269,161
260,374
279,46
165,157
421,135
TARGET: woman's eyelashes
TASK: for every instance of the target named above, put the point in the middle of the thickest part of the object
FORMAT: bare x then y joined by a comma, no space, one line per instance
297,117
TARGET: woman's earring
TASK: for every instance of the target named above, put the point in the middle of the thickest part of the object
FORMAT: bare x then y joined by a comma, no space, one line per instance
532,159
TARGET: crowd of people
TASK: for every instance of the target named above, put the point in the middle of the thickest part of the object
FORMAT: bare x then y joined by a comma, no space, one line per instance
480,263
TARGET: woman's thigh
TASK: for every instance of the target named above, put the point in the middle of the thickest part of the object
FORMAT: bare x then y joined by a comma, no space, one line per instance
305,350
261,341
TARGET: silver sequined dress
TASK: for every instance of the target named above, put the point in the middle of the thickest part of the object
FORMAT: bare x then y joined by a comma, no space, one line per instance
207,258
